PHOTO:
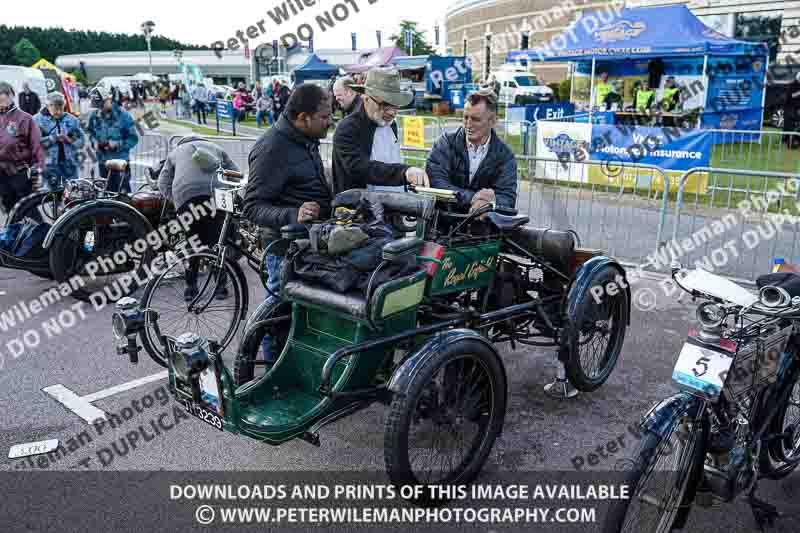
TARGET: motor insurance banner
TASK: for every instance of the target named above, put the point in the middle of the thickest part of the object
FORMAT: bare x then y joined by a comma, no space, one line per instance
617,148
673,150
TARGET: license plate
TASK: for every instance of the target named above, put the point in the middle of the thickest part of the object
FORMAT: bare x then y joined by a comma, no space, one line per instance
224,199
212,419
702,371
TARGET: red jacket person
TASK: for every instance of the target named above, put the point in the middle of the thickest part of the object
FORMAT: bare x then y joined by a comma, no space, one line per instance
20,149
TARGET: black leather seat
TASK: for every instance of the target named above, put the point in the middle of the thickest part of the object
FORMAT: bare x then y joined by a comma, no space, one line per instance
507,223
353,303
553,245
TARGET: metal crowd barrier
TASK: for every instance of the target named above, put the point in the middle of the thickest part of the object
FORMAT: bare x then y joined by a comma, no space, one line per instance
620,210
734,231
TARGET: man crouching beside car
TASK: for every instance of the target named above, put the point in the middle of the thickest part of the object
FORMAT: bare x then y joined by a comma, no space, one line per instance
473,161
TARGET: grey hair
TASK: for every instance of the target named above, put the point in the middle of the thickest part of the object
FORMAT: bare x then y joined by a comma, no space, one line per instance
344,82
56,99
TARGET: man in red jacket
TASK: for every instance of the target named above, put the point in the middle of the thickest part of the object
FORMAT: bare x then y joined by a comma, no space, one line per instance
20,150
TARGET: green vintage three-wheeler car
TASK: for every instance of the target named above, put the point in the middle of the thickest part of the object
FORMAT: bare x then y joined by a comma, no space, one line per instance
424,344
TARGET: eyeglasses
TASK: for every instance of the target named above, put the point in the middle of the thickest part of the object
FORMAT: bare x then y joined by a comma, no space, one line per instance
384,106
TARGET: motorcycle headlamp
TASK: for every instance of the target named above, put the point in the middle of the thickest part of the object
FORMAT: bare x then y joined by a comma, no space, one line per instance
190,357
710,315
128,318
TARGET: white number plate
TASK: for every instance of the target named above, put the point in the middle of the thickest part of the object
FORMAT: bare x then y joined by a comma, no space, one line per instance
702,371
224,199
32,448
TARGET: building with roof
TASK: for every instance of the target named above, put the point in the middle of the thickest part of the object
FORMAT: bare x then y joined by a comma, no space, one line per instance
225,68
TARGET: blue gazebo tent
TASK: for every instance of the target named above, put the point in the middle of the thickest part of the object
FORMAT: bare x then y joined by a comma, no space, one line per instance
642,34
314,69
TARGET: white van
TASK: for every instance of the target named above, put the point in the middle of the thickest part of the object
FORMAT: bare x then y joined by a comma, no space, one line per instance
16,76
122,83
519,87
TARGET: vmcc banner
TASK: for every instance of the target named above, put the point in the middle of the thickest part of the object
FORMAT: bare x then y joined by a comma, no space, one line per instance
671,149
567,142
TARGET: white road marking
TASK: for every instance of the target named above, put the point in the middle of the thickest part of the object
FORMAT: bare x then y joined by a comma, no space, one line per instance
111,391
75,403
82,405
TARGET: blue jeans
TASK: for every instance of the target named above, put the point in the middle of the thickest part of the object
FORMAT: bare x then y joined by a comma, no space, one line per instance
274,263
260,117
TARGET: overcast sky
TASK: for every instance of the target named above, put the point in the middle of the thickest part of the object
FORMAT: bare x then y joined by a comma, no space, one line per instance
205,22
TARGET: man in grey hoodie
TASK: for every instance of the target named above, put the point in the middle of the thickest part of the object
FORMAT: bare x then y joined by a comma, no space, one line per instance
189,179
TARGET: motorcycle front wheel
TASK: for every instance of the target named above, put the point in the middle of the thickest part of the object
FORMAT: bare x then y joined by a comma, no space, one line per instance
659,478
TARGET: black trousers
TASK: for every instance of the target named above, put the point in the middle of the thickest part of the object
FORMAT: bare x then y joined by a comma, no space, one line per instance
200,109
13,188
206,228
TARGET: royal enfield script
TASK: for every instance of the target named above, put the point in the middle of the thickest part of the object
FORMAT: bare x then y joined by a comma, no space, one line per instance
470,273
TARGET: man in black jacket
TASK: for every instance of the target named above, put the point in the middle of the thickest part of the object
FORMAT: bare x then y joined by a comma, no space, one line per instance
29,100
366,148
473,161
287,179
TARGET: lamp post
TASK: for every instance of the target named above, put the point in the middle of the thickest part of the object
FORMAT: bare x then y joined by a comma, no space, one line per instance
179,58
147,29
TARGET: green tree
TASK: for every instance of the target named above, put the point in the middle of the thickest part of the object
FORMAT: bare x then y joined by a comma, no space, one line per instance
54,42
26,53
421,46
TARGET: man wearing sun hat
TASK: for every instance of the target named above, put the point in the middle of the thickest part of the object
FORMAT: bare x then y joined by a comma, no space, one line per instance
366,146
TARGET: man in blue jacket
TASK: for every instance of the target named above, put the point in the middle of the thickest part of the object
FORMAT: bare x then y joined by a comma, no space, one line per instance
62,139
113,135
473,161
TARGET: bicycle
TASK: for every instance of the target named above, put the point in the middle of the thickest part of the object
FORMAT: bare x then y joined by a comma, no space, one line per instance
737,419
221,319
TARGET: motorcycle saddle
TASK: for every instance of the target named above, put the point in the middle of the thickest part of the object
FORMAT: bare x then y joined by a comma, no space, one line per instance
506,222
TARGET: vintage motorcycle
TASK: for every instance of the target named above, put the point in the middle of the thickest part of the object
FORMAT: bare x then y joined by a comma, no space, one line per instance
737,419
423,343
90,222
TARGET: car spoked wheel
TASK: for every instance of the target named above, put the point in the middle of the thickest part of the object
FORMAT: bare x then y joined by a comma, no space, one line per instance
595,336
782,454
442,430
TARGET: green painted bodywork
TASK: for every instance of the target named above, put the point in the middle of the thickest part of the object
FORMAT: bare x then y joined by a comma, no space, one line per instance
286,403
465,267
